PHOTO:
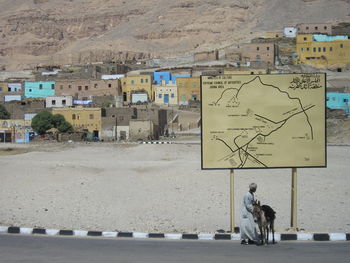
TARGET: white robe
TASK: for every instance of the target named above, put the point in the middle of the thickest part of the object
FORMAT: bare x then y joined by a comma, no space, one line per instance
247,224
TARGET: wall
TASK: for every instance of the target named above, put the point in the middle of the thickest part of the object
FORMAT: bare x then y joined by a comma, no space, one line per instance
20,129
59,101
260,52
156,115
188,89
141,130
10,90
339,101
206,56
86,89
18,109
322,28
82,118
133,84
39,89
322,54
166,94
290,32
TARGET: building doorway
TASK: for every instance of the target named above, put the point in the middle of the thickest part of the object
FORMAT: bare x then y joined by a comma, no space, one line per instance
166,98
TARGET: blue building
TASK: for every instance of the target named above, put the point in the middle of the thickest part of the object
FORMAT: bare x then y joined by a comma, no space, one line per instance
174,77
159,76
340,101
39,89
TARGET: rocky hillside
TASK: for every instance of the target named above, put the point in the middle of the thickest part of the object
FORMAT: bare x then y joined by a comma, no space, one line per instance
36,32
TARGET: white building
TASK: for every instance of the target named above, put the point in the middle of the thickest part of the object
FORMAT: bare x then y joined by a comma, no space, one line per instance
290,31
59,101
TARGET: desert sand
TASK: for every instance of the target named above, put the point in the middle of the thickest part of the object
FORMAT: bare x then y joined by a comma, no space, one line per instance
157,188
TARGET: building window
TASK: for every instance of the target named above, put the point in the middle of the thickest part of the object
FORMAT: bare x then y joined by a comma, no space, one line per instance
305,38
160,96
30,90
327,99
73,116
324,49
61,86
141,80
302,49
69,86
95,85
79,87
63,102
341,45
109,85
53,102
132,82
146,80
325,27
316,27
91,116
52,86
345,100
331,49
86,87
172,95
257,48
267,48
40,86
307,49
307,28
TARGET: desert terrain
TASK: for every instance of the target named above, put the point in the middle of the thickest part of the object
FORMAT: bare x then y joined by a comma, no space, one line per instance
157,188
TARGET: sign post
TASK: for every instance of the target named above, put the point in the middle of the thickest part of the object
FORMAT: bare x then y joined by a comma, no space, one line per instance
294,216
232,200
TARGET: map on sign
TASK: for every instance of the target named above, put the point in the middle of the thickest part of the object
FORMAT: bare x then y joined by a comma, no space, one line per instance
263,121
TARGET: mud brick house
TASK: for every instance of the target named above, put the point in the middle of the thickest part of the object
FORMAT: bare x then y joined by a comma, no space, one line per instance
313,28
10,91
87,88
156,115
18,109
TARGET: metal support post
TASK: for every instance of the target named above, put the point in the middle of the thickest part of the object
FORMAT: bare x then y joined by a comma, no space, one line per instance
232,201
294,218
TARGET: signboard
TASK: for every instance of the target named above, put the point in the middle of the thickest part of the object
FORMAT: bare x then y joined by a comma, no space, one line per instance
263,121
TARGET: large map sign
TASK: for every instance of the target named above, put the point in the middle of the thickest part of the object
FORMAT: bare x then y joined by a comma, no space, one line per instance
263,121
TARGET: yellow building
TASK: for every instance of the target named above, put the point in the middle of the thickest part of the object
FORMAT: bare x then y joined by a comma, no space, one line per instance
82,118
323,51
188,89
136,84
166,94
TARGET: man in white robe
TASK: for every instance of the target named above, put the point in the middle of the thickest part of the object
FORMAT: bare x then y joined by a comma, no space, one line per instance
249,234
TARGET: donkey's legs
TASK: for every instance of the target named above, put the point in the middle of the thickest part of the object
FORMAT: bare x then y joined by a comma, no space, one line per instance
273,231
267,234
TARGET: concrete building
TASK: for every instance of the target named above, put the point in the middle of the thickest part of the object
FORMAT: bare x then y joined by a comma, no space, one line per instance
18,109
290,31
39,89
340,101
142,130
17,131
188,89
156,115
166,94
59,101
85,89
313,28
82,118
136,84
322,51
115,123
258,52
10,91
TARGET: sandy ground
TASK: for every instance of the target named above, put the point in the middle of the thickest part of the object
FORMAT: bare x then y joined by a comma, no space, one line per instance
157,188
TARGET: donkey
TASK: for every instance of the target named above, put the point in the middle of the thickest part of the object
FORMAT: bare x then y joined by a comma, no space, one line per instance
265,217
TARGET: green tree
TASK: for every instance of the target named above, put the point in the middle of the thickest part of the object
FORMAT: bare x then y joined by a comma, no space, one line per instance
60,123
42,122
4,114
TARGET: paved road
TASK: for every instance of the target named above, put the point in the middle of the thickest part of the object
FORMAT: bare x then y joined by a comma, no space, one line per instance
40,249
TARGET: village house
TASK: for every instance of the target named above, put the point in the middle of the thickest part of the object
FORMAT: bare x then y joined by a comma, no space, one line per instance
166,94
158,117
39,89
82,118
18,109
59,101
340,101
206,56
314,28
17,131
258,52
115,123
10,91
188,90
136,85
322,51
142,130
290,31
158,77
84,89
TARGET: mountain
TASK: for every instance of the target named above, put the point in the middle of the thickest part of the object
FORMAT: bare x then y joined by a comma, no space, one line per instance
60,32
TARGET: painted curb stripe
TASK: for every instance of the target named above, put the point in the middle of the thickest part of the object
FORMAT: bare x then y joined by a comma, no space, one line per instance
189,236
66,233
52,232
40,231
321,237
235,236
109,234
348,236
156,235
173,236
80,233
222,237
139,235
26,230
337,237
124,234
285,237
94,233
305,237
13,230
206,236
4,228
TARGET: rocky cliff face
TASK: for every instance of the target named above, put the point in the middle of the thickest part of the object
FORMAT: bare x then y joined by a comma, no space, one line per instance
79,31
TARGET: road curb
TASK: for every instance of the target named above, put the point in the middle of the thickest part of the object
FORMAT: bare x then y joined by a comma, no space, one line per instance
185,236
